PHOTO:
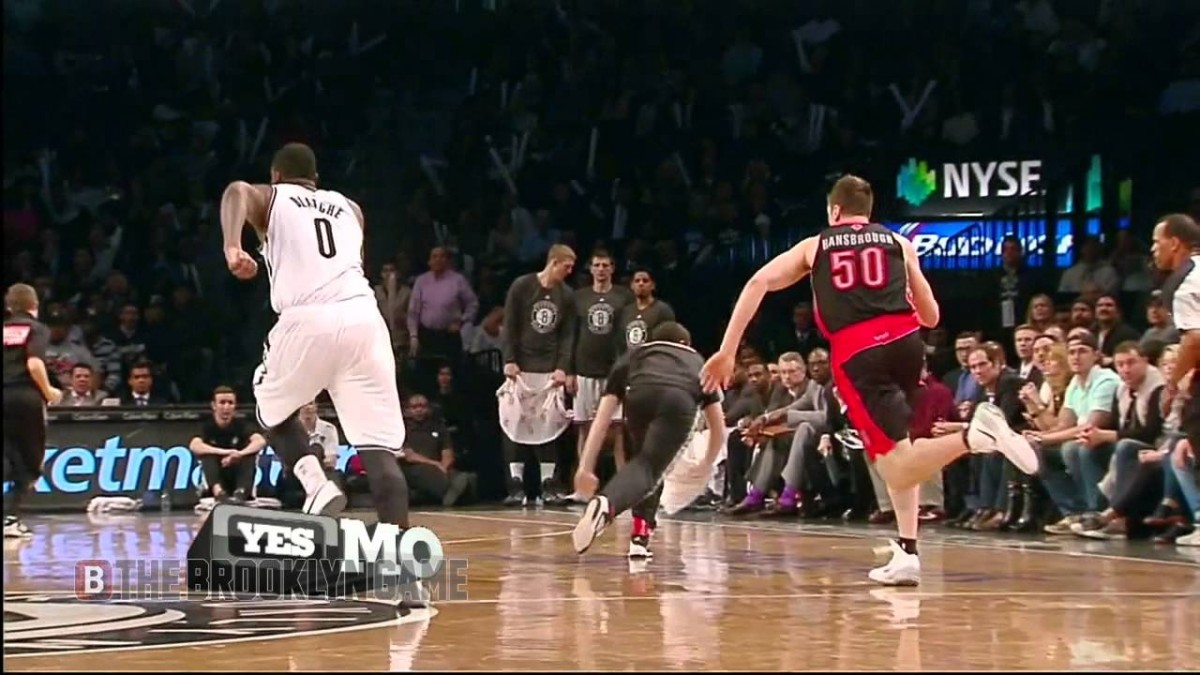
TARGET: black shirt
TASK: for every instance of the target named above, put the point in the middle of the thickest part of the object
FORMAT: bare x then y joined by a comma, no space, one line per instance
638,324
233,436
539,326
24,337
598,314
858,274
428,437
660,364
1007,397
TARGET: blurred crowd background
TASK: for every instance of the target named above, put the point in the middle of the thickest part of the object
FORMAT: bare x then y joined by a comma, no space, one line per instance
693,139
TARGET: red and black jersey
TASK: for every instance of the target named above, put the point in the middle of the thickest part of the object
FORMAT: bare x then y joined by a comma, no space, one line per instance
858,274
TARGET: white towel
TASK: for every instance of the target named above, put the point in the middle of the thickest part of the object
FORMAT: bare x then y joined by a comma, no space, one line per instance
532,409
113,505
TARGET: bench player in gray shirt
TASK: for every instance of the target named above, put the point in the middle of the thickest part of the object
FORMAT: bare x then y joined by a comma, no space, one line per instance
639,318
598,308
538,341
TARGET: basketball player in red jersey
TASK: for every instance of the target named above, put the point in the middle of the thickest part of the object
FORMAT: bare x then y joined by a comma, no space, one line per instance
871,300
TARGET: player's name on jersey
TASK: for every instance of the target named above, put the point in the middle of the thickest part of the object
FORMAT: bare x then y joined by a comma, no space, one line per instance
324,208
842,239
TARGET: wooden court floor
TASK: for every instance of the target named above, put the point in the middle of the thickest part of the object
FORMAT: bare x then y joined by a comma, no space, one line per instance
719,595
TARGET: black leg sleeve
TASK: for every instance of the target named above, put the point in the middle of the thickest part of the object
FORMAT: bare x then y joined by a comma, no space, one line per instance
290,440
389,489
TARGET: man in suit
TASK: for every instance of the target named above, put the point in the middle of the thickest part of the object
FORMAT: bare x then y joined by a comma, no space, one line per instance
794,396
141,387
83,392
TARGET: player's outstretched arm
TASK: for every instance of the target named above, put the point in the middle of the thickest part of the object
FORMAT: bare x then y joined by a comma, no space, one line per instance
586,482
928,312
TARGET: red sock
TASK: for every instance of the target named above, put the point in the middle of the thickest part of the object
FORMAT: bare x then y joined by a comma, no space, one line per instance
641,528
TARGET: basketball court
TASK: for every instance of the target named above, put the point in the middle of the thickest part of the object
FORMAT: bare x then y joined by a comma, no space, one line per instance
719,595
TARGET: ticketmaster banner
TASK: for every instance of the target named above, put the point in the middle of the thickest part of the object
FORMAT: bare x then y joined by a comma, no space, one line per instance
135,453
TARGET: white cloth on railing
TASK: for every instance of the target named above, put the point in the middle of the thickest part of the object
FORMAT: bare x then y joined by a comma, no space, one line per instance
114,505
532,409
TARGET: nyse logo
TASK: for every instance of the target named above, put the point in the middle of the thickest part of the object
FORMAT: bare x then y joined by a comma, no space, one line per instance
277,540
991,179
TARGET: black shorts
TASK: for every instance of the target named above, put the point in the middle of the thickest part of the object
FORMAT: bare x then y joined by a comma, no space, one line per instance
877,385
24,433
660,421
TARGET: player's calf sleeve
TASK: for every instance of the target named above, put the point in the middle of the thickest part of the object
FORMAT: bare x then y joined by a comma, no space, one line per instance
290,440
389,489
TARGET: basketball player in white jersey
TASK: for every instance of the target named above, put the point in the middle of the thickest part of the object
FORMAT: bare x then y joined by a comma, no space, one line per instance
330,334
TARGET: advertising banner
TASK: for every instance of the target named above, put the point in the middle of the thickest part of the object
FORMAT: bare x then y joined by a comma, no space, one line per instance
965,188
977,243
139,453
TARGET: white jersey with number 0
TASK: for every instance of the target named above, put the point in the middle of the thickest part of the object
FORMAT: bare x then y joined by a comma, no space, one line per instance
313,251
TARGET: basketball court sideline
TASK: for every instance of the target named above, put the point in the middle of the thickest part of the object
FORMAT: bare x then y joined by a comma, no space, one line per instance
719,595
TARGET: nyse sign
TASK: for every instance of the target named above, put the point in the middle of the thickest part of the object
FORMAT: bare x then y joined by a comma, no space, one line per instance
1001,179
965,188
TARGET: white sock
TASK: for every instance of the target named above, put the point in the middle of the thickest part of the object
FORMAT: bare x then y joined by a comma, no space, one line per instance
308,470
516,470
547,470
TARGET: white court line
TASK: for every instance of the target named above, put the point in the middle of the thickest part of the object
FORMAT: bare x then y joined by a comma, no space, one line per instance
509,537
916,595
820,533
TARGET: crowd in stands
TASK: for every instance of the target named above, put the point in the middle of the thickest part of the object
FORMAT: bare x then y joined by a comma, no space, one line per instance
689,139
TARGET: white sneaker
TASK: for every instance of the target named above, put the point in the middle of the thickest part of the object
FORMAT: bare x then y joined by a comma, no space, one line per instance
902,570
595,518
328,500
15,529
1192,539
989,432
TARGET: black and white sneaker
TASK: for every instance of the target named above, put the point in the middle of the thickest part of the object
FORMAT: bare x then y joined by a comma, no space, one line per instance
639,547
15,529
595,518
